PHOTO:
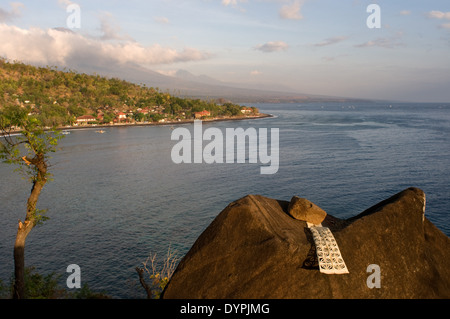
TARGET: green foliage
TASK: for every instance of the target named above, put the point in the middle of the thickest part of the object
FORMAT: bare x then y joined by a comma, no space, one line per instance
155,117
57,98
232,109
30,150
32,142
39,216
158,283
158,275
39,286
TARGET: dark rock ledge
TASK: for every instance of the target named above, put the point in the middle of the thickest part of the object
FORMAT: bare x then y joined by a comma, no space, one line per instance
254,249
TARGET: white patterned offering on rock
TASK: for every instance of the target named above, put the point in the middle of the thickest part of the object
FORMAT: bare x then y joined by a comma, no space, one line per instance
328,253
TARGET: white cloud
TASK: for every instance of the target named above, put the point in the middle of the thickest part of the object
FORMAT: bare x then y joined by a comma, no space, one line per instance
233,3
330,41
65,3
405,12
66,48
272,46
438,15
14,12
229,2
162,20
292,10
255,72
167,72
111,29
388,43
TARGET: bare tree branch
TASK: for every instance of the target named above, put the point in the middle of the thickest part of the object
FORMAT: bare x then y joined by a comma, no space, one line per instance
148,290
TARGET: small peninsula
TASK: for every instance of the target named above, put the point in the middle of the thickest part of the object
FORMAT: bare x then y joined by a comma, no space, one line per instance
66,99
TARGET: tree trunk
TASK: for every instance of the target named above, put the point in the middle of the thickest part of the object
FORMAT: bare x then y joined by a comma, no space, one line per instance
148,290
19,259
24,228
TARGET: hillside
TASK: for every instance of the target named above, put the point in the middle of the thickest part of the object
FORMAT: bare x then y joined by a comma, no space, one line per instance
59,97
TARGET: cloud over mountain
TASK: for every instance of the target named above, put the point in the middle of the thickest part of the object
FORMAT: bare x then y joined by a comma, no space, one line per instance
36,45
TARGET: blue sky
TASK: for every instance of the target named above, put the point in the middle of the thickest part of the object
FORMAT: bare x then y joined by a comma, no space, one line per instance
312,46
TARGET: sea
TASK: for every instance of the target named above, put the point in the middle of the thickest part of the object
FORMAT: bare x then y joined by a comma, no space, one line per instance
118,198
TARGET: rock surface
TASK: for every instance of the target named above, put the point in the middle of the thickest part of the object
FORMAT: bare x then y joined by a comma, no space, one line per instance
255,249
303,209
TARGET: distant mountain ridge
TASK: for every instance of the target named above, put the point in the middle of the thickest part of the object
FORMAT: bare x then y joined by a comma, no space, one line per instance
250,92
186,84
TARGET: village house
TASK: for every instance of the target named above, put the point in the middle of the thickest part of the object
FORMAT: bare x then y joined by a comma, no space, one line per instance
246,110
85,119
144,111
121,117
199,115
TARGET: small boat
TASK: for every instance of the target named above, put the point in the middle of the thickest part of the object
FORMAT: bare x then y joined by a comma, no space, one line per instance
65,132
100,131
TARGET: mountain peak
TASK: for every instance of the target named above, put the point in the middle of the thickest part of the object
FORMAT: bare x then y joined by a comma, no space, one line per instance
204,79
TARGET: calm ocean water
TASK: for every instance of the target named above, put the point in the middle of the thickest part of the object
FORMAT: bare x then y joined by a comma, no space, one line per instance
117,197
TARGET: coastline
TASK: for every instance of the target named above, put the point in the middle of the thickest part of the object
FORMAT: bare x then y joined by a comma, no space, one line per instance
99,126
259,116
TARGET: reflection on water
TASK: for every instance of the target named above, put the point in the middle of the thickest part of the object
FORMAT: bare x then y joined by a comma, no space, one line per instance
117,196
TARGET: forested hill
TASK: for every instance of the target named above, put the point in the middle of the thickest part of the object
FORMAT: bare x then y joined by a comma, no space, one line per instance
59,97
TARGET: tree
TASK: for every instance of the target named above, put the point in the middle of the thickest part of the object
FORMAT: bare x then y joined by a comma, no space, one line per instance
30,151
139,117
159,277
232,109
155,117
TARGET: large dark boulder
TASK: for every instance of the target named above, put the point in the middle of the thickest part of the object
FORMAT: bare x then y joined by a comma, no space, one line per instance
255,249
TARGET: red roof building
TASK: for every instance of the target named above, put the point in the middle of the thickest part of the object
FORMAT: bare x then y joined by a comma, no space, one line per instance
121,115
86,119
204,113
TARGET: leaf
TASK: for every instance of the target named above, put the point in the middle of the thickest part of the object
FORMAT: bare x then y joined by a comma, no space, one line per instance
39,216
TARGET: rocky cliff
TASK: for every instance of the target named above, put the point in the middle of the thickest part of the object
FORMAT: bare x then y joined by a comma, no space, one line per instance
259,247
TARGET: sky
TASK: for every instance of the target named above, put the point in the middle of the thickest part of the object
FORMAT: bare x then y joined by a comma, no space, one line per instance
400,51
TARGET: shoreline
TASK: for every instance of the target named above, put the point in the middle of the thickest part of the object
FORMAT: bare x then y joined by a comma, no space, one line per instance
260,116
99,126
